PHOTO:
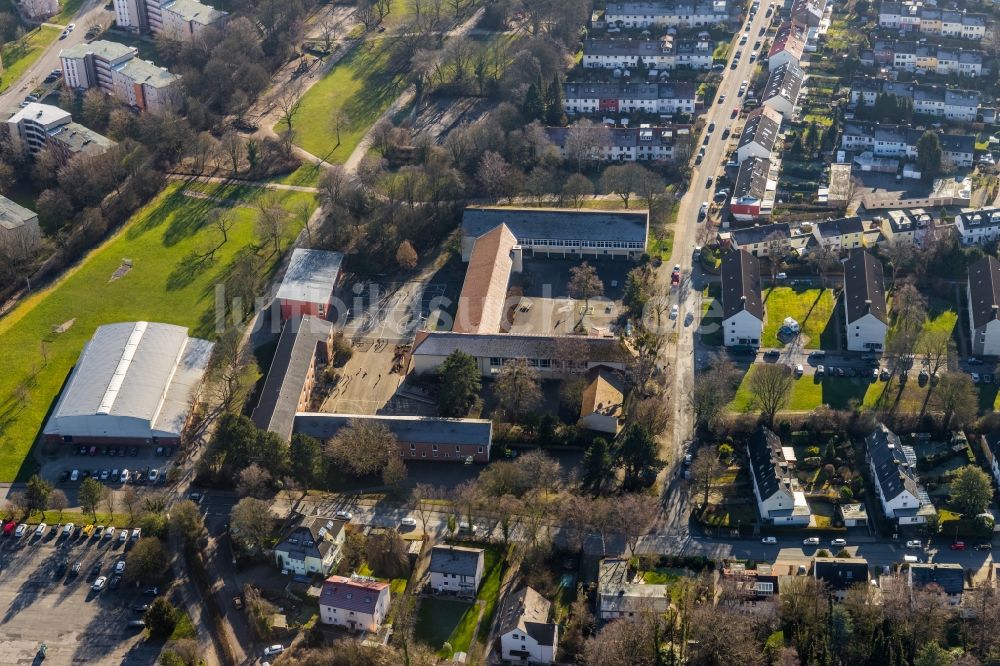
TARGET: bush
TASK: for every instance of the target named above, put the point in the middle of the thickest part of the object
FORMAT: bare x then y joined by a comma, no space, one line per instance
812,452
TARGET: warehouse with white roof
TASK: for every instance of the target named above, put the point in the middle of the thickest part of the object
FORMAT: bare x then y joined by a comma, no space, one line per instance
134,383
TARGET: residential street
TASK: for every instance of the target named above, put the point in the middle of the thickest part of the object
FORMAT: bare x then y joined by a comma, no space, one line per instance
91,12
681,351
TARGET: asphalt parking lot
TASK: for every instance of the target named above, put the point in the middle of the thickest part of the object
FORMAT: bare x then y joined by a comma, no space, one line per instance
77,624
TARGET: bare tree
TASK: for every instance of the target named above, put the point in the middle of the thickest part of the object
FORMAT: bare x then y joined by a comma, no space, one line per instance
518,388
58,502
957,398
935,345
704,469
289,101
635,513
254,481
585,284
771,387
577,188
272,219
823,259
234,148
341,121
362,448
421,499
130,499
493,173
901,255
584,142
406,256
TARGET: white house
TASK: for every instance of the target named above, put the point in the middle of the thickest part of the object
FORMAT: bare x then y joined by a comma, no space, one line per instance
617,97
781,92
788,46
991,450
114,69
526,635
742,305
618,596
311,546
760,132
893,469
983,293
978,226
356,603
686,13
866,313
665,53
456,569
603,405
779,499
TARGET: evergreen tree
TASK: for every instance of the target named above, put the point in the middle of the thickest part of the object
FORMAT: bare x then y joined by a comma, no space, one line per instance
533,108
638,456
596,464
554,104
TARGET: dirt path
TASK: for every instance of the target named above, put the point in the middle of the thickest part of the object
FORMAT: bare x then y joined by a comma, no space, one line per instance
235,181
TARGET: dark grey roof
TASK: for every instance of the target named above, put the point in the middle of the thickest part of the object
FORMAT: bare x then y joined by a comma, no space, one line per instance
456,560
637,47
840,573
992,441
984,291
623,137
760,128
784,81
559,224
407,429
741,284
660,8
442,343
841,226
752,179
764,451
279,399
958,143
352,594
984,217
528,611
760,233
864,287
311,537
949,576
621,90
892,467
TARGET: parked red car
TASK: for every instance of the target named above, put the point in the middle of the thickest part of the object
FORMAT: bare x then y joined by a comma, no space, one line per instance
9,527
958,545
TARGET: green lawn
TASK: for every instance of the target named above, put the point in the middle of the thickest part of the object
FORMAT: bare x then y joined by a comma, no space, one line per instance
438,619
362,85
161,286
806,395
69,9
840,393
19,55
184,629
810,307
454,622
710,326
661,247
662,576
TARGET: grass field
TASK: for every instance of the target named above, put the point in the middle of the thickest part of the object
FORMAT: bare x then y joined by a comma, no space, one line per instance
161,286
438,619
810,307
454,622
362,85
19,55
661,246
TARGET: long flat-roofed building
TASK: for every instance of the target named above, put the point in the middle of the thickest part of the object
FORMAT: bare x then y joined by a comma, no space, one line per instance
561,232
134,383
176,19
418,437
303,345
114,69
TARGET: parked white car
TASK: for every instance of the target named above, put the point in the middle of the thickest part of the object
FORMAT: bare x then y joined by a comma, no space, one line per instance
811,541
272,650
914,544
769,540
99,584
838,542
40,530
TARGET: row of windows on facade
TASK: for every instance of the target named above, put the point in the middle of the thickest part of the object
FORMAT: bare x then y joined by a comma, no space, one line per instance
548,242
499,361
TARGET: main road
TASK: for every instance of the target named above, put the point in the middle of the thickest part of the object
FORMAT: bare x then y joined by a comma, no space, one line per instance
91,13
680,331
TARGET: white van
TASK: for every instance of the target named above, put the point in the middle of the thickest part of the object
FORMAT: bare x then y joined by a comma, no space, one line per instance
911,559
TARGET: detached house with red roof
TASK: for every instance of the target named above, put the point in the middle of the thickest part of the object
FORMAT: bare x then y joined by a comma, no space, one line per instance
356,603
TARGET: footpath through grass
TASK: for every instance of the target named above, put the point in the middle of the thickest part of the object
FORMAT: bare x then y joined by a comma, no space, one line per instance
362,86
21,54
161,286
